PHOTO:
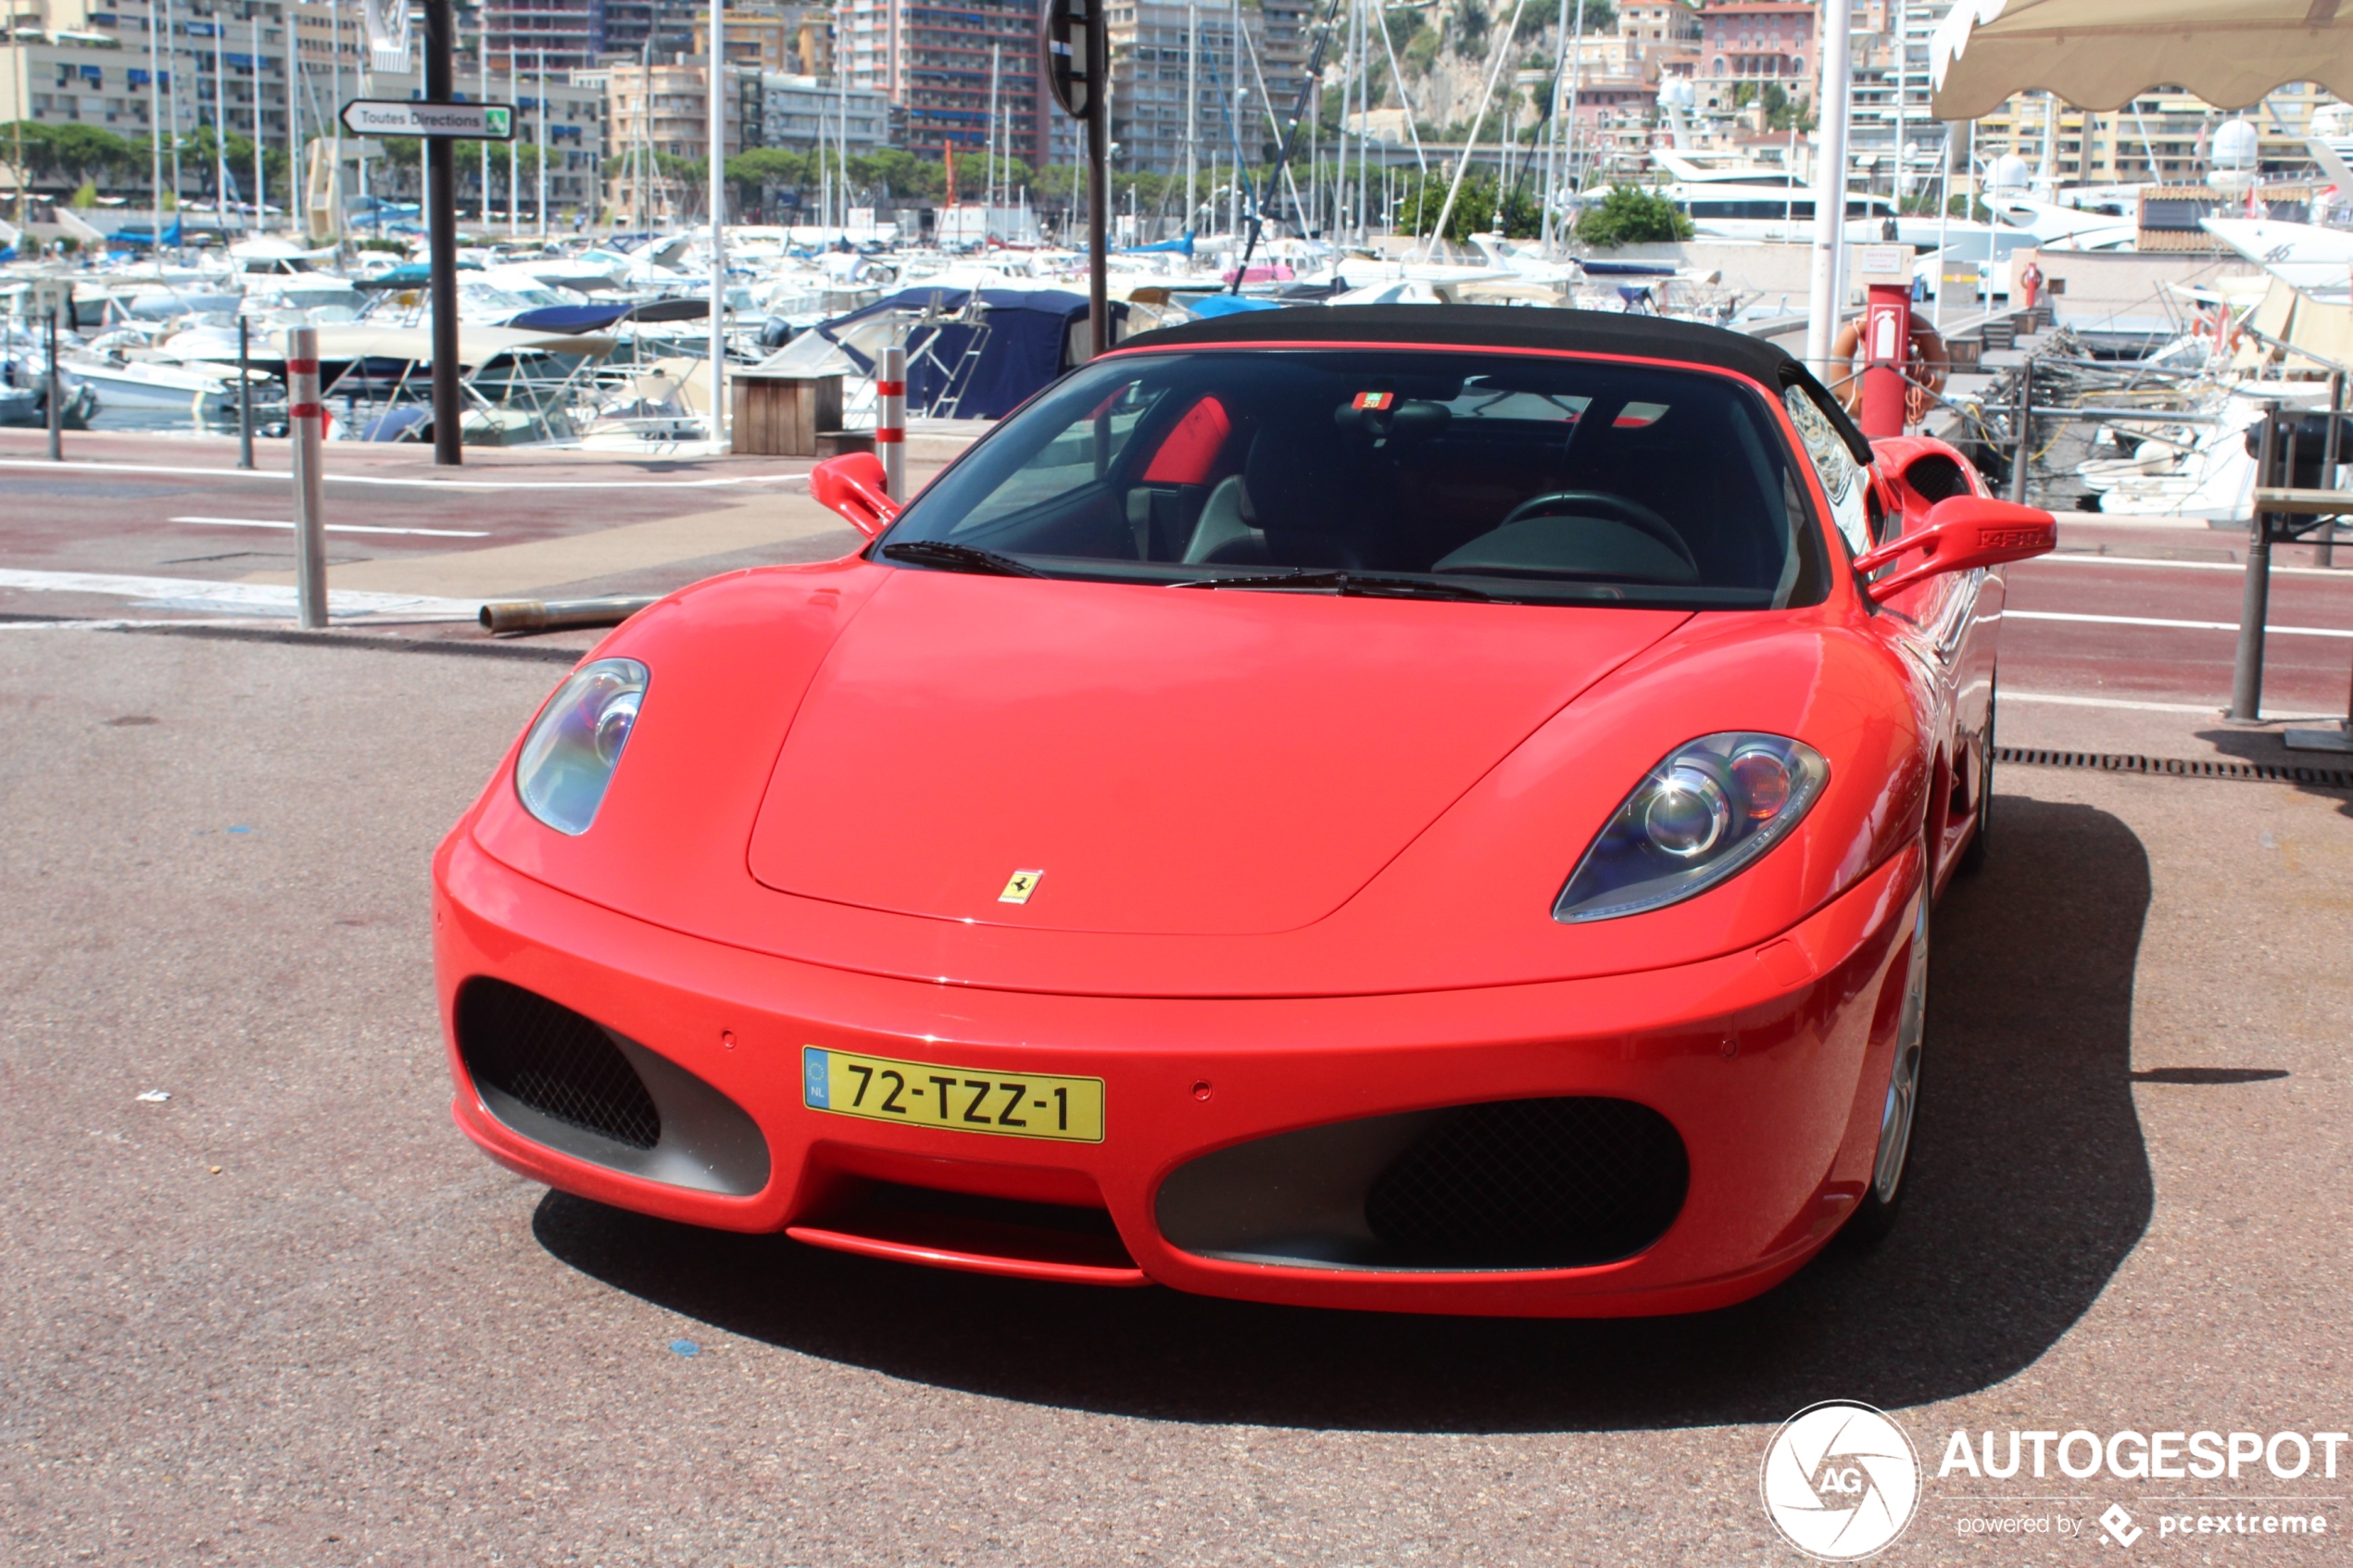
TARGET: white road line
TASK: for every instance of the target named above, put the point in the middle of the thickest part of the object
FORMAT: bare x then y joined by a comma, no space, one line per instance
2175,625
2082,558
339,527
247,599
134,470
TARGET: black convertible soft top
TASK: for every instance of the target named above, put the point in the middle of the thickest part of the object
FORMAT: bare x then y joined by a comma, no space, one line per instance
1497,326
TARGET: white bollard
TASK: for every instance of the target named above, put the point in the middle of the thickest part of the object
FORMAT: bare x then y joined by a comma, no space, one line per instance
308,416
890,421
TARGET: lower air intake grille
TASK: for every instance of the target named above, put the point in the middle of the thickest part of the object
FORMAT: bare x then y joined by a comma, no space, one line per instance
554,1061
1550,1182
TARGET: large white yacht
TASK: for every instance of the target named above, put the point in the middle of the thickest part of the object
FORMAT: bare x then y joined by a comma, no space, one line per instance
1729,196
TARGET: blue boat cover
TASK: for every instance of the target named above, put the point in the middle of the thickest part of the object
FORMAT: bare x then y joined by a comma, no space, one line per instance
1022,349
408,275
568,318
1211,306
1182,245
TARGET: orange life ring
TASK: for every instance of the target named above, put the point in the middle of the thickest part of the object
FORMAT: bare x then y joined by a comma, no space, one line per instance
1927,367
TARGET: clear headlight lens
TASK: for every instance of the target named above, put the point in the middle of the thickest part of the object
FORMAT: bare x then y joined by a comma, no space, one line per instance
1709,809
569,754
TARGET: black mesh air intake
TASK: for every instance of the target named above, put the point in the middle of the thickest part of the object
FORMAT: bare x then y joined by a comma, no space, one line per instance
1533,1183
553,1061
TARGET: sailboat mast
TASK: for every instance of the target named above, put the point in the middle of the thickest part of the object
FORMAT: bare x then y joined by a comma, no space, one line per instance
220,122
260,188
1192,112
155,127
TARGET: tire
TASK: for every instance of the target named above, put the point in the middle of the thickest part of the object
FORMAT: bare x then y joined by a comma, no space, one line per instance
1883,1198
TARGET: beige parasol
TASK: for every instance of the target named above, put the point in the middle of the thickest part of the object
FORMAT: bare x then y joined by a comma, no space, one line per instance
2099,54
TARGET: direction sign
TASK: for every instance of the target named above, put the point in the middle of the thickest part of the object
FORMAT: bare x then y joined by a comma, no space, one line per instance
387,117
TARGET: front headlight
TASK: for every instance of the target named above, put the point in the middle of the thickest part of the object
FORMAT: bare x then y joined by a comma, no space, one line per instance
569,754
1709,809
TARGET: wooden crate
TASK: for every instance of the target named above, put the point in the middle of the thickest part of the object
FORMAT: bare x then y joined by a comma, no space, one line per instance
781,415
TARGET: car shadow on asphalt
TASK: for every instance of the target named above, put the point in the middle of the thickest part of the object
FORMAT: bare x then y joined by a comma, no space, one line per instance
2029,1186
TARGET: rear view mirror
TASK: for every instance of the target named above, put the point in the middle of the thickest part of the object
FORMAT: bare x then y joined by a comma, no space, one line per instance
1963,533
853,485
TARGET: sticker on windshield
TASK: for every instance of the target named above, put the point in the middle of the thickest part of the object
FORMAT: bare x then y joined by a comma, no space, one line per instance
1375,400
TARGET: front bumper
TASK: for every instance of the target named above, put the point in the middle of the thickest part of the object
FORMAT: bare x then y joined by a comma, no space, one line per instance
1770,1063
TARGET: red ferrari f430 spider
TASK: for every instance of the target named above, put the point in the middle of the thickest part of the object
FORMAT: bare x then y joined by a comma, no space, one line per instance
1416,809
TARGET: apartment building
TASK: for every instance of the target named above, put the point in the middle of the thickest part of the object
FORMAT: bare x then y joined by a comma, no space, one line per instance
1891,47
157,67
1242,64
569,34
800,111
1155,46
664,110
2164,137
933,63
1754,42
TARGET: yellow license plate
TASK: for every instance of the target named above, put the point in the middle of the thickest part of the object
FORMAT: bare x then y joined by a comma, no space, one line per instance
1018,1105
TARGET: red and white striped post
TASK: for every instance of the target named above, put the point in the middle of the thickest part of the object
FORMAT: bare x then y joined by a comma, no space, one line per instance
309,417
890,420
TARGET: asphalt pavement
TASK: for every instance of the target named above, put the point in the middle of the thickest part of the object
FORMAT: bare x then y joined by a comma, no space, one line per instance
288,1315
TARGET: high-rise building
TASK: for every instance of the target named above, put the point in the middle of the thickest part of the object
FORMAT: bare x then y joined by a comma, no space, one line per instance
638,28
1243,93
571,34
933,63
1891,53
1155,46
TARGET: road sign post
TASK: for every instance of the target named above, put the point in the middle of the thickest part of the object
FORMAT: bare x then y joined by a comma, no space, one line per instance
438,119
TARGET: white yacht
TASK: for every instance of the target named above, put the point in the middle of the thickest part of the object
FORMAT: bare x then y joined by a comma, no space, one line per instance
1727,196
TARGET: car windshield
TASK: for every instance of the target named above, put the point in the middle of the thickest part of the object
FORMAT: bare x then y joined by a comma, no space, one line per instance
1456,474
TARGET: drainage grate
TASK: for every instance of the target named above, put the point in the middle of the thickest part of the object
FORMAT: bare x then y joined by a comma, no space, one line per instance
553,1061
1533,1183
2175,767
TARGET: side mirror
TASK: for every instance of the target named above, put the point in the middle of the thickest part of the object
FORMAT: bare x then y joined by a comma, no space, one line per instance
853,485
1963,533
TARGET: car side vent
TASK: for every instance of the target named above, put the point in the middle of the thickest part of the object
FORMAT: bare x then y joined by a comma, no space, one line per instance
1558,1183
554,1061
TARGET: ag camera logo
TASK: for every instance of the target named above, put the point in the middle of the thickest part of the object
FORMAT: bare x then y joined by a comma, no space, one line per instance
1841,1481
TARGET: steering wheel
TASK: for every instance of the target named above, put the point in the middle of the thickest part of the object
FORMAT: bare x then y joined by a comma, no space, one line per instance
1633,512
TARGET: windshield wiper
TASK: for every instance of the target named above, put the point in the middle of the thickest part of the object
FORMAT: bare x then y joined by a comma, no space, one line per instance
1348,583
958,558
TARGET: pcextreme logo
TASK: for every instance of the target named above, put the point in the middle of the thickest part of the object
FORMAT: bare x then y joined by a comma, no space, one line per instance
1841,1481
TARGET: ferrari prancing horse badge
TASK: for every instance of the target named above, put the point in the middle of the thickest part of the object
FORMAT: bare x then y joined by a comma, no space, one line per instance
1018,890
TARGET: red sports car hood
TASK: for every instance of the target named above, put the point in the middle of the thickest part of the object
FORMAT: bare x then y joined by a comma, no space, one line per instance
1161,760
